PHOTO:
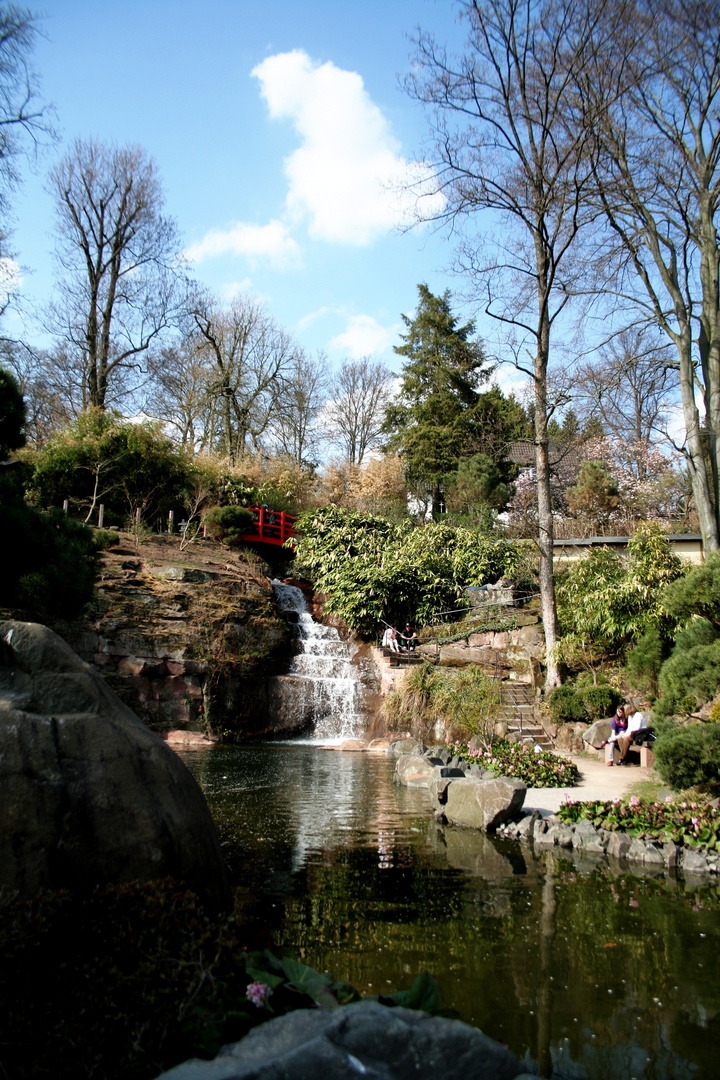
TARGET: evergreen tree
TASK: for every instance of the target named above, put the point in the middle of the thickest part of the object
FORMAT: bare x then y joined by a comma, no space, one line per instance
440,417
12,414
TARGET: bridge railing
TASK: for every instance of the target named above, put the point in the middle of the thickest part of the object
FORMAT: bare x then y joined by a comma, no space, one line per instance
270,526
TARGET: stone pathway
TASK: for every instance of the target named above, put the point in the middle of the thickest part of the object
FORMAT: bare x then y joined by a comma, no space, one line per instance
597,781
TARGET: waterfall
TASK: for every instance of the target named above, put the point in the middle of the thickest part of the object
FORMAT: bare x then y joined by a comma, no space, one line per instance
321,687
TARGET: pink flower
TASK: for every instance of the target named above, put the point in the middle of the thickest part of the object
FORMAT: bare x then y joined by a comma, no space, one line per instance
634,903
634,801
258,993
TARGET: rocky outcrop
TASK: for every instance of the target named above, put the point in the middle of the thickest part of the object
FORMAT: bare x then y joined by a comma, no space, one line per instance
185,639
364,1039
89,796
597,734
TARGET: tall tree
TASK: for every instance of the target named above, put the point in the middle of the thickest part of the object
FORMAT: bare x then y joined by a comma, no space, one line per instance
119,264
299,403
249,356
512,161
431,422
358,396
655,89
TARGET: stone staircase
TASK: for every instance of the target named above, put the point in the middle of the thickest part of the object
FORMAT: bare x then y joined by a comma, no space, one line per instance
518,711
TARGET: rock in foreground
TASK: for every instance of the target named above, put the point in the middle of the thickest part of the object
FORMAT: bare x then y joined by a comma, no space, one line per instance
89,796
365,1039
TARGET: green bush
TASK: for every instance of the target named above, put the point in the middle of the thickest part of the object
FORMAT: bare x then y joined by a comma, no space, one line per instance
467,700
583,703
226,523
688,757
692,673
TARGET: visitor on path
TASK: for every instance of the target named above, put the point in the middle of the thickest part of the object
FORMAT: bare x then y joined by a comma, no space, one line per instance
618,726
635,723
390,639
409,638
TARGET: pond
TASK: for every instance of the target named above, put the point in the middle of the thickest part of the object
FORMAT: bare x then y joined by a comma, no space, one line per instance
585,971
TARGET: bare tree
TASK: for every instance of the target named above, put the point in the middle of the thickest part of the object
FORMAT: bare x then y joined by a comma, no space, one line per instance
358,398
628,388
656,93
119,265
510,139
181,376
298,405
249,357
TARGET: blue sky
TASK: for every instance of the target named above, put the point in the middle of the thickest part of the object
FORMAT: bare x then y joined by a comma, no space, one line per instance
279,130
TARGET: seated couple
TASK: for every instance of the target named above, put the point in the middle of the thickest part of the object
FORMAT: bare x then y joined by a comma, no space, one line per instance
394,641
626,725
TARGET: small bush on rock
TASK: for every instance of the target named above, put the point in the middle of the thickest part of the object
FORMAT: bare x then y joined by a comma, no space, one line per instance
226,523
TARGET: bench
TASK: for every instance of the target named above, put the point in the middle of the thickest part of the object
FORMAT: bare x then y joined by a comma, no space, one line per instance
647,757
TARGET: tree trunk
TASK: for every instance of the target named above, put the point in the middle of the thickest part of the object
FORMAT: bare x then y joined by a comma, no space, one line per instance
702,489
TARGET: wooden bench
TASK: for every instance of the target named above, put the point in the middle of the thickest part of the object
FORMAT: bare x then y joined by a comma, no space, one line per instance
647,757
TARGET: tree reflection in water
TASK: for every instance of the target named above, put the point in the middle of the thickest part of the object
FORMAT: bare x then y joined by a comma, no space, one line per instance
589,971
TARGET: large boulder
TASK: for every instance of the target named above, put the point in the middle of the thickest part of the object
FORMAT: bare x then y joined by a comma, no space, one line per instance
414,771
365,1039
484,804
598,734
88,795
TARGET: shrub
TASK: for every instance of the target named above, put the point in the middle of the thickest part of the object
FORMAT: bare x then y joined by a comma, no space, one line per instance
689,757
582,703
442,697
226,523
692,673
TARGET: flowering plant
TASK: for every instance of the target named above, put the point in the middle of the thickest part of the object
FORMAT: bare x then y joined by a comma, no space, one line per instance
536,768
691,824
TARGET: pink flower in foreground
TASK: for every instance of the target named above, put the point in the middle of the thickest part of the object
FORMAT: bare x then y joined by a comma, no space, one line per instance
258,993
634,801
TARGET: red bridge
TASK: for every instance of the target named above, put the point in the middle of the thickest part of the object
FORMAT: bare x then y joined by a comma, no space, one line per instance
269,526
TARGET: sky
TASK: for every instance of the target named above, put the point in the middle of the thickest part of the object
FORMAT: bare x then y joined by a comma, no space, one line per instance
283,139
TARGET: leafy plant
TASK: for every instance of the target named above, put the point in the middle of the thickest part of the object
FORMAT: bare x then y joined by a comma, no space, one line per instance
570,703
375,570
689,756
536,768
692,824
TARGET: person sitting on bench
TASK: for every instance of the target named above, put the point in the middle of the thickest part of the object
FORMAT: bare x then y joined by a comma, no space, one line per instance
635,723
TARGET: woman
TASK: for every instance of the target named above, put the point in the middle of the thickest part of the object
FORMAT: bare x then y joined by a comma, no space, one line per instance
390,640
618,733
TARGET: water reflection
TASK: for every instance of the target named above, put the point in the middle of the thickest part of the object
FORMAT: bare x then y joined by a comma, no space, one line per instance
588,971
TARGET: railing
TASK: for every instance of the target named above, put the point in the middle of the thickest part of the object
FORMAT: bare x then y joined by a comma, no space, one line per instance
269,526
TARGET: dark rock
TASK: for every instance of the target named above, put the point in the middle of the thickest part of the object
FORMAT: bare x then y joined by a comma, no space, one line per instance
364,1039
88,795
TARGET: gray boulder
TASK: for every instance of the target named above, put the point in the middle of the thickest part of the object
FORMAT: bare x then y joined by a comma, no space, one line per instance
88,795
484,804
405,746
597,734
364,1039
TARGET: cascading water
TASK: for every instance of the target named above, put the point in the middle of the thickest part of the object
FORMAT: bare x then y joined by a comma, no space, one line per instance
321,686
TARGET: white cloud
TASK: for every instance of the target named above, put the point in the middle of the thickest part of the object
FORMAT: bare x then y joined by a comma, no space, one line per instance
231,289
347,176
272,242
363,337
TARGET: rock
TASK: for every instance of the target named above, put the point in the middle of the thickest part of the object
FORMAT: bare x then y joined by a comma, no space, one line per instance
406,746
414,771
363,1039
583,833
526,825
569,740
636,851
88,795
670,854
186,738
618,845
597,734
484,804
353,745
653,855
694,861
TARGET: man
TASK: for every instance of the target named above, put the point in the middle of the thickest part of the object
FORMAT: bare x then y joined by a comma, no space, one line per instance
409,638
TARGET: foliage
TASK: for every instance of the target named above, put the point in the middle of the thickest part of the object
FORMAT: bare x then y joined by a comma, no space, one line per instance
466,699
103,459
168,982
375,570
12,414
697,593
690,824
689,756
439,416
49,560
582,703
536,768
226,523
609,600
644,660
475,490
595,495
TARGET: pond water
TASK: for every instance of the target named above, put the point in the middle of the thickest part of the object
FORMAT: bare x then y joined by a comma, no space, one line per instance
584,971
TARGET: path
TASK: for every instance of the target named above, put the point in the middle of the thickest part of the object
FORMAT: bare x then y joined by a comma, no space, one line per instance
597,781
